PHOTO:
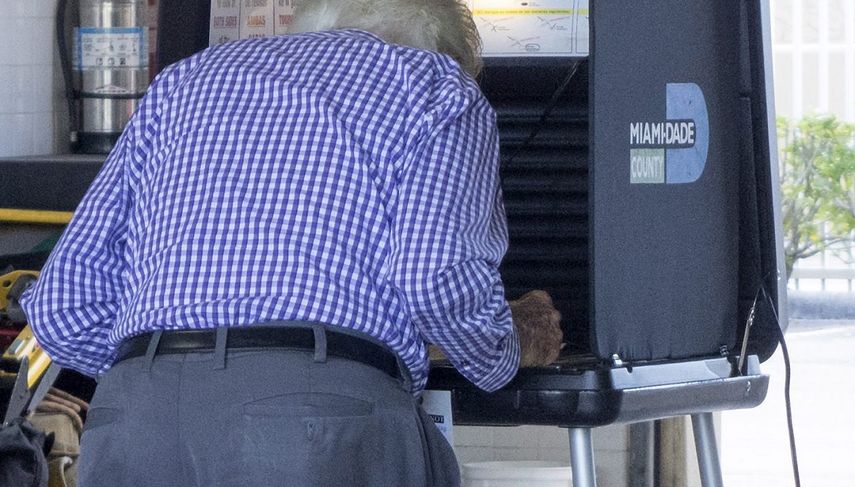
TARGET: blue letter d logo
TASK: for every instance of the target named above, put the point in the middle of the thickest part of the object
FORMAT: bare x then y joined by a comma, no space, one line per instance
685,101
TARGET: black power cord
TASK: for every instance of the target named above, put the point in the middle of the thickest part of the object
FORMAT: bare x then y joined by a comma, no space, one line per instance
787,373
550,106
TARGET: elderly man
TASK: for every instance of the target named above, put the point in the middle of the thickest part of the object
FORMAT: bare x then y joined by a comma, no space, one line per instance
282,229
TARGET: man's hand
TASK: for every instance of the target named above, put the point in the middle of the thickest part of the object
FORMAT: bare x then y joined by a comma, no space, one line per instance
538,325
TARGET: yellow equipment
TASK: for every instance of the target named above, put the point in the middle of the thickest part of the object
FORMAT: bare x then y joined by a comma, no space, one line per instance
26,371
14,215
12,285
26,346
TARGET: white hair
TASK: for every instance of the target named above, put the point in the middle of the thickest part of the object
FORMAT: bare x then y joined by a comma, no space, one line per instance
444,26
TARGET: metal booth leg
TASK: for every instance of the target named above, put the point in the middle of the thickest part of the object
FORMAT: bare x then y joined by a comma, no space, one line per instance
582,457
708,464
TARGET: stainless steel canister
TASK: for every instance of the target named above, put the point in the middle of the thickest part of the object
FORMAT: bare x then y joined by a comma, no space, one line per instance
111,68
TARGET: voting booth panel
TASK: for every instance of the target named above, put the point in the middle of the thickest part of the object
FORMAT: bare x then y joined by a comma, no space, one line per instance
682,226
644,204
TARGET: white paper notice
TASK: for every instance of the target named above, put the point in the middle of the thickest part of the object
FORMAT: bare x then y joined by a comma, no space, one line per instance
256,19
119,47
437,404
515,28
245,19
284,14
225,21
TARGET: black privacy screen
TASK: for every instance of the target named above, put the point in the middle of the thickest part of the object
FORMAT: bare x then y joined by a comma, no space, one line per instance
665,166
643,202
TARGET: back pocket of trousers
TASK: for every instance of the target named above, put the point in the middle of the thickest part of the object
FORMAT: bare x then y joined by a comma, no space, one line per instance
282,435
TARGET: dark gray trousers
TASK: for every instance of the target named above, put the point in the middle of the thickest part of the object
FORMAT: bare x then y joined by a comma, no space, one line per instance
269,418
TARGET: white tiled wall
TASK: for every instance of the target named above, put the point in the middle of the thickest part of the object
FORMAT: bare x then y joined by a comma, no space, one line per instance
482,444
30,95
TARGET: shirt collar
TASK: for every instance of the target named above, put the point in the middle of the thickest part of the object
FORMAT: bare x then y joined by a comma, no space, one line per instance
352,33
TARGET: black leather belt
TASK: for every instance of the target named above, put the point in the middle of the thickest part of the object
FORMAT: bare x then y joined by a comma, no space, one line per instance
265,338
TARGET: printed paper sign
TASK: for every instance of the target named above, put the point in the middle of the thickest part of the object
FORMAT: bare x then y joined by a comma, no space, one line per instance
110,48
225,21
256,19
245,19
437,404
508,28
515,28
284,15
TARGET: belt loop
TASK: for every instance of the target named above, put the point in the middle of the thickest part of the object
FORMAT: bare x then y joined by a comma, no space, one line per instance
151,351
320,343
220,348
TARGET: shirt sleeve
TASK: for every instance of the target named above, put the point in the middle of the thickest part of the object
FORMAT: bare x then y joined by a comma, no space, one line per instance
74,304
452,234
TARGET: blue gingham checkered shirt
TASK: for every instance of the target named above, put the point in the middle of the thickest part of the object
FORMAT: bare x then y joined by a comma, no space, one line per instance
325,177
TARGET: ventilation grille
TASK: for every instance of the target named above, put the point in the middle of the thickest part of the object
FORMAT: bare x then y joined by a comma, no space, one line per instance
545,188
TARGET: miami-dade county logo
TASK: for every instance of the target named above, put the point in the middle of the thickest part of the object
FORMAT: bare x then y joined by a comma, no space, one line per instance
673,151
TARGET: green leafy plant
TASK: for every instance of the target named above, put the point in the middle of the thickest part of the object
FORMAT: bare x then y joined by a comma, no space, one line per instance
817,162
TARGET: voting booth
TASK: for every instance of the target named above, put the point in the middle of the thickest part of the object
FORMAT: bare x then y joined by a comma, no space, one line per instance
640,182
646,205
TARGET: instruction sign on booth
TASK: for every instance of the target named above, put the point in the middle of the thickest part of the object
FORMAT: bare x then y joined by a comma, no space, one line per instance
508,28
